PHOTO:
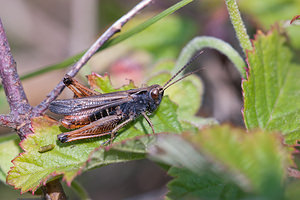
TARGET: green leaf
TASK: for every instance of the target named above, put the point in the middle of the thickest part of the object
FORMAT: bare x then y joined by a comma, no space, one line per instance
271,91
292,190
164,119
130,149
32,168
293,33
103,84
189,185
254,161
257,158
9,149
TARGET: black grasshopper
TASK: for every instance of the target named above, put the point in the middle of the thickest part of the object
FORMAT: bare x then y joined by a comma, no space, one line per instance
93,114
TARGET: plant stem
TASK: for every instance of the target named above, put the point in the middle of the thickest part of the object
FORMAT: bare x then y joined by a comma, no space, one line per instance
6,120
201,42
54,190
238,25
79,189
19,107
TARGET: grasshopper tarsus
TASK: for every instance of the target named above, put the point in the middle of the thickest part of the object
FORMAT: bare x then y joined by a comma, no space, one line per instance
68,80
62,137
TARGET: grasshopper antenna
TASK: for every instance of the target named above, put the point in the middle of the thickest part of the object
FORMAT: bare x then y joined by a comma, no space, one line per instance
168,83
186,75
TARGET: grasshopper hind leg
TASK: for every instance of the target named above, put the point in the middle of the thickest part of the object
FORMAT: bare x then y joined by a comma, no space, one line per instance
97,128
77,88
105,126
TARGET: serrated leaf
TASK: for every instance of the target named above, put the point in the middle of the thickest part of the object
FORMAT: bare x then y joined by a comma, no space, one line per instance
271,91
258,158
103,84
255,161
9,149
32,168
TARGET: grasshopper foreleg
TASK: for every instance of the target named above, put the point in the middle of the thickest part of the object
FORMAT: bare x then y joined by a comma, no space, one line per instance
113,132
149,121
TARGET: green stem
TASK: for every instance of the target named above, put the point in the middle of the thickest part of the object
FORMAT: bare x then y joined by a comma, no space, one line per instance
79,189
201,42
146,24
238,25
62,65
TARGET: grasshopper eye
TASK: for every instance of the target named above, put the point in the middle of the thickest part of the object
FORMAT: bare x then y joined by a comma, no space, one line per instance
154,93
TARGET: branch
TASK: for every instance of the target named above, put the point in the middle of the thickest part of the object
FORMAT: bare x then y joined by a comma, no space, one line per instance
10,80
54,190
6,120
116,27
19,108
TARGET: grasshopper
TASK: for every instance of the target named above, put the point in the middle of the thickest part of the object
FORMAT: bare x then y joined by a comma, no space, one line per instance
93,114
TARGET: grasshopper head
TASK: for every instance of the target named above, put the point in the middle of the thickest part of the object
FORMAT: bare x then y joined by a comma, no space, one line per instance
156,94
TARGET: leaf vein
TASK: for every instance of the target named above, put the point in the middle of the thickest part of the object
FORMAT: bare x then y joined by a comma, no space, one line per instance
278,96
